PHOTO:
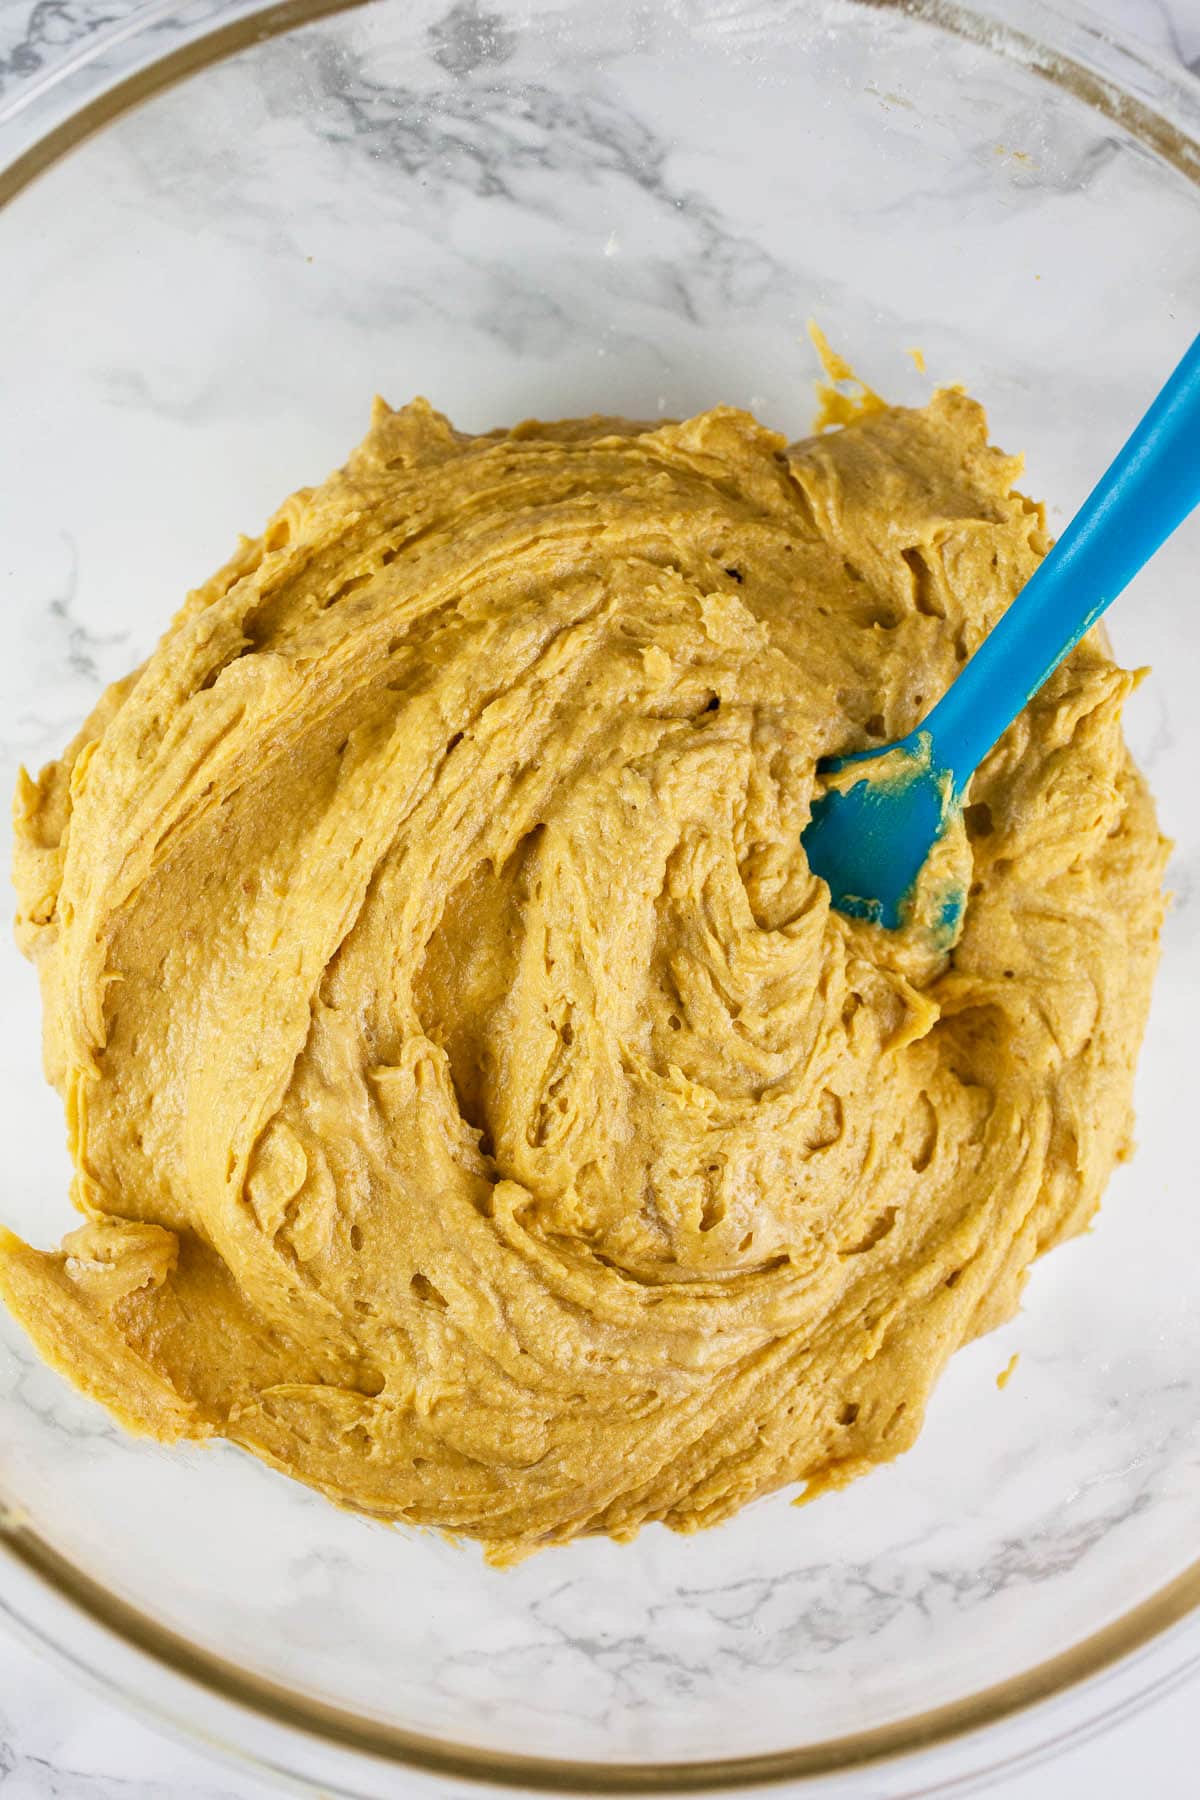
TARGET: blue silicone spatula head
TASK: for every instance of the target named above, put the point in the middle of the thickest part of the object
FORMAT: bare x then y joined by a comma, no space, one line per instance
870,837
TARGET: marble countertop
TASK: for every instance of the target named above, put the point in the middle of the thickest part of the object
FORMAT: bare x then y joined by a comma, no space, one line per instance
58,1740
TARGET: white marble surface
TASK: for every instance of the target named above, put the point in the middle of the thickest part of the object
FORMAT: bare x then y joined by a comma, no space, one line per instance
59,1742
56,1739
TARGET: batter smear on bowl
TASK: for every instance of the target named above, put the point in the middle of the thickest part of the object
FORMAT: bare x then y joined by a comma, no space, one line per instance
478,1111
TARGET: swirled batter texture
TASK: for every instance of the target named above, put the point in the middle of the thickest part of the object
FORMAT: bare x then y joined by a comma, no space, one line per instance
477,1109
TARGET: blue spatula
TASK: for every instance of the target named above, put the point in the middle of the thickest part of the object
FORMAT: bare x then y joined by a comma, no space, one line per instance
870,839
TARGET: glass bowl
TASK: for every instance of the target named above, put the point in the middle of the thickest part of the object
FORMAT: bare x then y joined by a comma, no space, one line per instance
224,230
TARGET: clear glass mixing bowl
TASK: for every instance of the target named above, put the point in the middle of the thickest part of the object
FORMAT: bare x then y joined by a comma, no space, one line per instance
539,206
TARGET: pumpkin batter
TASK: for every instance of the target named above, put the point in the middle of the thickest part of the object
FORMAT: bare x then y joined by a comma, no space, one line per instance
478,1111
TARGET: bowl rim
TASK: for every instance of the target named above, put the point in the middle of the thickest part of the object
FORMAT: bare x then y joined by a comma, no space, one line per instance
1158,104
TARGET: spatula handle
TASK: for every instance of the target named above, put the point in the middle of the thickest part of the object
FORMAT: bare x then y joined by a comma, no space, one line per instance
1150,488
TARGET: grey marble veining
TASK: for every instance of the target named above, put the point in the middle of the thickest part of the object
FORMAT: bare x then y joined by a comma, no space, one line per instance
59,1742
477,166
34,38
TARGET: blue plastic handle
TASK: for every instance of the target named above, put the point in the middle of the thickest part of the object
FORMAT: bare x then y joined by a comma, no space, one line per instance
871,839
1149,489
